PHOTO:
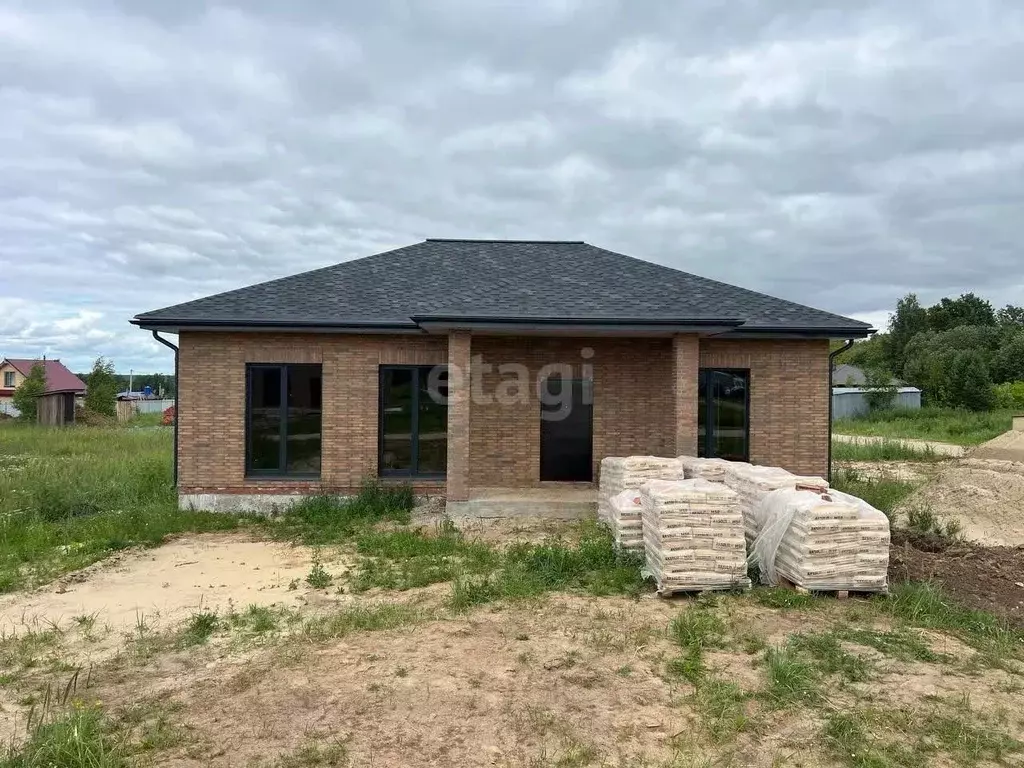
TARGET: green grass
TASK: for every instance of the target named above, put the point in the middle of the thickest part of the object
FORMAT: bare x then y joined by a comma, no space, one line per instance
199,628
901,644
72,496
81,738
829,656
329,519
924,605
373,618
792,679
591,564
946,425
887,450
884,492
895,737
783,599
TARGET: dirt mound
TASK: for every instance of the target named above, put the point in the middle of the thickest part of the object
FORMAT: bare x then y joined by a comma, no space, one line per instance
1009,446
985,578
985,496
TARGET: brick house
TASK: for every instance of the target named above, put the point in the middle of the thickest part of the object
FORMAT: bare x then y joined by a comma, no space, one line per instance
458,365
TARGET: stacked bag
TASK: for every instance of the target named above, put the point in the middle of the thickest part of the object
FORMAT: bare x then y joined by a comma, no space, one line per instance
821,541
753,483
619,474
709,469
693,535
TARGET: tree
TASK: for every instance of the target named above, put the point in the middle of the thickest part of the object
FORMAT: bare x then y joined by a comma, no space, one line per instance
1008,360
1011,316
909,319
967,383
101,388
869,353
879,389
968,309
26,396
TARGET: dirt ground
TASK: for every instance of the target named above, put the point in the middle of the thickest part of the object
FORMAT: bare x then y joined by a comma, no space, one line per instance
986,578
163,586
985,496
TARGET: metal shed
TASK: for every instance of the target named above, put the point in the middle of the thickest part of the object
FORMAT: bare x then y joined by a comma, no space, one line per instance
848,402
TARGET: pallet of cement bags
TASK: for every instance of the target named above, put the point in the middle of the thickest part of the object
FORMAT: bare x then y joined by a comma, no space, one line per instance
693,536
628,473
709,469
821,542
627,526
753,483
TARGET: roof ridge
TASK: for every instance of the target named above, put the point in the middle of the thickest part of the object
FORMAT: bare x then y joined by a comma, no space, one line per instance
488,240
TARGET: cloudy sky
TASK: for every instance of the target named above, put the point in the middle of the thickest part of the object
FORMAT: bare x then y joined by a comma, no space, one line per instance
153,151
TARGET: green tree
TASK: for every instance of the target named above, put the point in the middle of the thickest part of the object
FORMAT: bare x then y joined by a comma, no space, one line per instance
909,319
869,353
1011,316
967,309
1008,360
967,383
26,396
880,389
101,388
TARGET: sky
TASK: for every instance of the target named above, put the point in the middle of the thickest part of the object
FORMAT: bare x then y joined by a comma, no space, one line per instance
833,153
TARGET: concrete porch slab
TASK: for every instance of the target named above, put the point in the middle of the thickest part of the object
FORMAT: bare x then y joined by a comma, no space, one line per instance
569,501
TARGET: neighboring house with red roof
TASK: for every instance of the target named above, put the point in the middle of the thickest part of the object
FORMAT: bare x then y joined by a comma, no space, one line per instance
58,378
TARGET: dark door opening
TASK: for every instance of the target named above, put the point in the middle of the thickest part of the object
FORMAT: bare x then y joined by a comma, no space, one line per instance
567,430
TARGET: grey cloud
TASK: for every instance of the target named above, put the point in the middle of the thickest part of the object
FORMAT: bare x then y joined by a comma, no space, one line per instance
153,152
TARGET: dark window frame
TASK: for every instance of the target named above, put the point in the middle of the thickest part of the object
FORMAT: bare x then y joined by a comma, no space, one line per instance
9,376
706,449
414,424
282,473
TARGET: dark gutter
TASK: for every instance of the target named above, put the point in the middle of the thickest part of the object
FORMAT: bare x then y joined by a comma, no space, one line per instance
152,324
832,356
177,401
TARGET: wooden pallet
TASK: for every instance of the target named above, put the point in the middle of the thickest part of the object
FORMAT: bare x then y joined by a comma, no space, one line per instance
839,594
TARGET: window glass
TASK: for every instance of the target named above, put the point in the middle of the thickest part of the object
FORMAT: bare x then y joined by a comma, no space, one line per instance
432,424
284,419
265,418
304,418
396,416
413,420
722,414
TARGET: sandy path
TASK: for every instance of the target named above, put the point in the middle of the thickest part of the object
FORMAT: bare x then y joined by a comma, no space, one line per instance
166,584
942,449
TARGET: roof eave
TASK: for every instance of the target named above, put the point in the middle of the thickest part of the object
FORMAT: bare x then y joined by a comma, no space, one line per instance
288,326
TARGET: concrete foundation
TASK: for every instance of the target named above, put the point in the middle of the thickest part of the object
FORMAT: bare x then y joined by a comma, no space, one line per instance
556,502
237,503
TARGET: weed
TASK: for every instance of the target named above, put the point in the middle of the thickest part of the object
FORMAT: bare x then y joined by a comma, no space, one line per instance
81,738
624,671
402,672
200,628
722,709
829,656
883,492
931,423
592,565
361,619
325,519
260,619
791,679
885,450
923,521
696,629
312,754
318,577
782,599
900,644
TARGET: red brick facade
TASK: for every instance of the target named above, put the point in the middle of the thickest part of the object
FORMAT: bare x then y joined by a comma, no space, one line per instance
644,390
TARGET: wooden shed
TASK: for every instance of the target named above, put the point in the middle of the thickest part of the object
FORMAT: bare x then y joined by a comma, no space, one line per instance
56,409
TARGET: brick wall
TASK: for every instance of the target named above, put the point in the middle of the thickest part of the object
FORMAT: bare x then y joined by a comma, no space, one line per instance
789,398
634,402
211,394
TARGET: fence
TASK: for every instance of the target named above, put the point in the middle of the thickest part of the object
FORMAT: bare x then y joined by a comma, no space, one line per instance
129,409
848,402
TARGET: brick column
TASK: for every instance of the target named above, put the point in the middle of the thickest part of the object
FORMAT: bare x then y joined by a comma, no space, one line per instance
685,367
459,351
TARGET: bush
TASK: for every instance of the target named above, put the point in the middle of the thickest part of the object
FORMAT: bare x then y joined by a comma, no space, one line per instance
967,383
101,391
26,396
1010,395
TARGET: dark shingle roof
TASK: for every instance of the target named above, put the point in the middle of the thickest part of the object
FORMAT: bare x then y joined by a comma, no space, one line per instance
497,280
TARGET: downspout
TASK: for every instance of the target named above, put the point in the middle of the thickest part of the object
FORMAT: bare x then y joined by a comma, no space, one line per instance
832,356
177,402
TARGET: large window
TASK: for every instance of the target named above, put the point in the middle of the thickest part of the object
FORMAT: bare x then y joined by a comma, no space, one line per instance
8,379
723,416
283,420
413,420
